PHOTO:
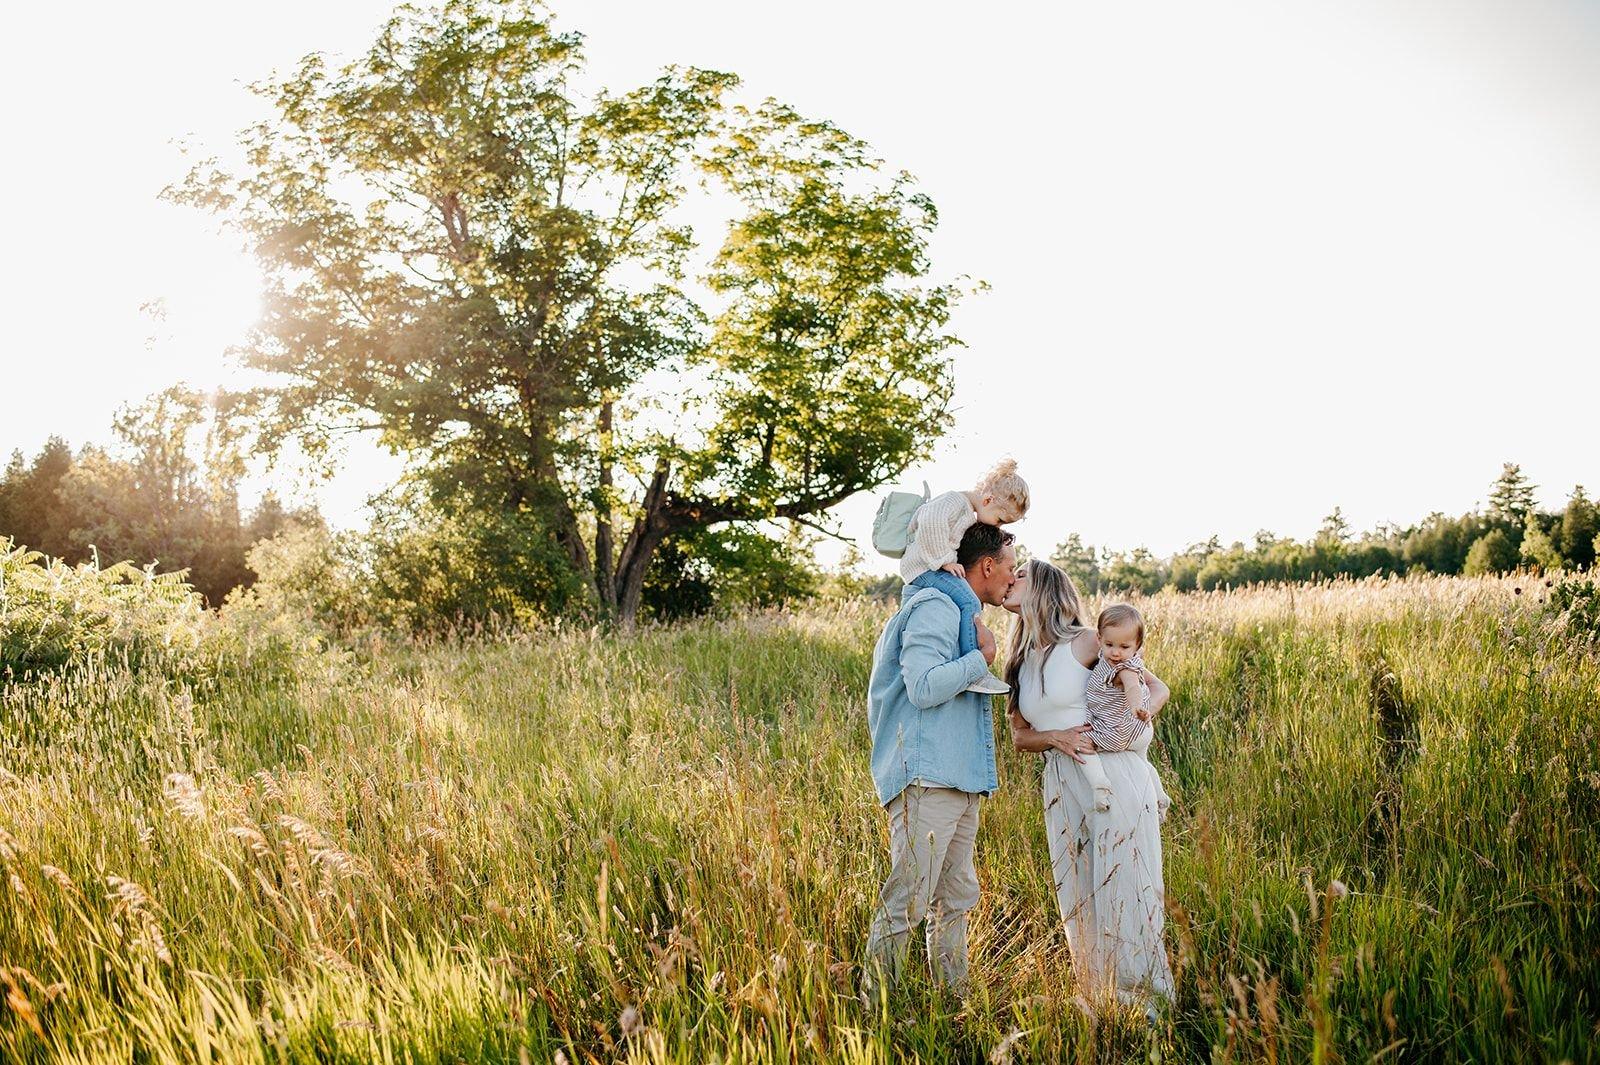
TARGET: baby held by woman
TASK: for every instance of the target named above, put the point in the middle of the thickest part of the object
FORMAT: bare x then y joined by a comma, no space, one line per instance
1118,698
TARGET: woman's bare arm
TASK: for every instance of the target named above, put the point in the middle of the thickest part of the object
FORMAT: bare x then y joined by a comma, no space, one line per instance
1159,693
1069,741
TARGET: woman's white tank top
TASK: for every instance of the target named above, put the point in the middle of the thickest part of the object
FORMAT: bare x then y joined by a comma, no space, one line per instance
1053,698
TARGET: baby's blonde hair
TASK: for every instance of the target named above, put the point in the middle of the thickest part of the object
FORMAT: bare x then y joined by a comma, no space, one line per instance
1122,614
1004,482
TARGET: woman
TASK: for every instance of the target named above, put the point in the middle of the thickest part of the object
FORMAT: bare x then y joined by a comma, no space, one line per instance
1107,866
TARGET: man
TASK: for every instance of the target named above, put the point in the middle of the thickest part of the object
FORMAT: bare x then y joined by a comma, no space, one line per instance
932,760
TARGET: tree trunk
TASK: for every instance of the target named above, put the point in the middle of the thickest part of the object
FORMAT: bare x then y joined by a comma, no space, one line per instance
631,579
649,529
603,545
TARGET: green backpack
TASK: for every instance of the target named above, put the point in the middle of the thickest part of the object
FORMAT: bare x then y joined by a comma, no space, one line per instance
891,529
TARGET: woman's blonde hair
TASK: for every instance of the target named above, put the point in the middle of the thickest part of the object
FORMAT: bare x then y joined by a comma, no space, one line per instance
1004,482
1051,613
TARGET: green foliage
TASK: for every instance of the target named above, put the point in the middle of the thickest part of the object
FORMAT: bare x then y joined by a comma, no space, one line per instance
166,493
1440,544
495,271
435,561
309,576
53,615
1493,552
1472,543
1577,602
727,569
428,564
1579,529
665,847
849,580
1136,571
1538,549
32,509
1078,560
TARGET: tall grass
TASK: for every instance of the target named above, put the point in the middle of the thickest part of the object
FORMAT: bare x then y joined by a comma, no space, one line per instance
664,847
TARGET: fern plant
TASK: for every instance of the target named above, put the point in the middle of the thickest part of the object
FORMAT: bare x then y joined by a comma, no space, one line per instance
53,615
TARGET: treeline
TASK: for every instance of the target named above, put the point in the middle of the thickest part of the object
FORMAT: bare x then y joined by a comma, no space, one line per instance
1511,533
166,491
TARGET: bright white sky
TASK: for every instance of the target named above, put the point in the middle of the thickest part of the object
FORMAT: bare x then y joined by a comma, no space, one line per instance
1249,260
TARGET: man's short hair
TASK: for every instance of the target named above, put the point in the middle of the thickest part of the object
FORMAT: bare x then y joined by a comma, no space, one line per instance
981,541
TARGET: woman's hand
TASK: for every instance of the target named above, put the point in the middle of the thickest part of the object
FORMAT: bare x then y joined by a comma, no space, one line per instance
1072,742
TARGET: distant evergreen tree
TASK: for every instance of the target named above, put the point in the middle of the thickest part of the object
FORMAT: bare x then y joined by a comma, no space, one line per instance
1335,529
1440,543
32,509
1512,496
1579,526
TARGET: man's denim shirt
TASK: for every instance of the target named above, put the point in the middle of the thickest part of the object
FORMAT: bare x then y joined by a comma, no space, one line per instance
925,725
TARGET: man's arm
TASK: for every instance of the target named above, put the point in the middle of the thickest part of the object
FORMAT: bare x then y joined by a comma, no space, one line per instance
932,673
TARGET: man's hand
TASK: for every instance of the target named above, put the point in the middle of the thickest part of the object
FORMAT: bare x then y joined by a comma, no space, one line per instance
986,642
1072,742
956,569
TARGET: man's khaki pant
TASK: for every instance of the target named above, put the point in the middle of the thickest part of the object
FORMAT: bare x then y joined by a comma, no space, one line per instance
931,876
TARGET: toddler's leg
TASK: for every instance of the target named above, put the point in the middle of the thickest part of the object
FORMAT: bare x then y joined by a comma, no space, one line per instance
965,599
1098,781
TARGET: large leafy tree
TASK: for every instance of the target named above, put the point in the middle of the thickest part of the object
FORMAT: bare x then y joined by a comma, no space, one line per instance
497,271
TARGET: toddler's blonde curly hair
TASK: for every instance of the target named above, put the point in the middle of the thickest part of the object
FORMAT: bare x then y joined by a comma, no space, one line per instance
1003,482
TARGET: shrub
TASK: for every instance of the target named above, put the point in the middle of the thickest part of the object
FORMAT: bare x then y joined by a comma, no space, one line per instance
730,568
308,575
53,615
1577,602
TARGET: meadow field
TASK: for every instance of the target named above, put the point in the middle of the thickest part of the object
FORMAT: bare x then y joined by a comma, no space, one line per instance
568,845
